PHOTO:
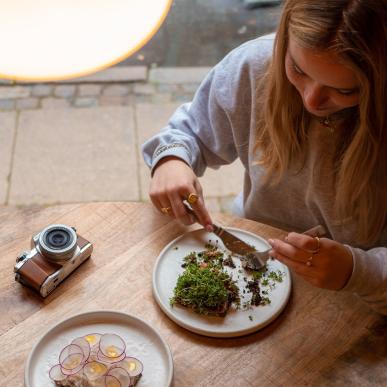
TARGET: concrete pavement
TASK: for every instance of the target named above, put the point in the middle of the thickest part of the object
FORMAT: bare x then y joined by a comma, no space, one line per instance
79,141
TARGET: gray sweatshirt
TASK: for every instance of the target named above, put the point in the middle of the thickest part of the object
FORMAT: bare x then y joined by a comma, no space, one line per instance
218,126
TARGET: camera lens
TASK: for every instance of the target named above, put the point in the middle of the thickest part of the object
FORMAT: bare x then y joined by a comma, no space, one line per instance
58,239
58,242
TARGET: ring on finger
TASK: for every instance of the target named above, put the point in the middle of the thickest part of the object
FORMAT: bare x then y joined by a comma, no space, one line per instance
317,249
165,210
309,262
192,198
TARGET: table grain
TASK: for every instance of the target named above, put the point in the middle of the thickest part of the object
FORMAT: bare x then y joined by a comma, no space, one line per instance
323,338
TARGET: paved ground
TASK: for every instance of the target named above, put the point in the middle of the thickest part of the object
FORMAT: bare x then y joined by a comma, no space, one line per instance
79,141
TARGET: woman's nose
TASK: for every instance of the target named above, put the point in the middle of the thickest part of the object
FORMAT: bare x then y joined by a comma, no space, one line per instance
314,96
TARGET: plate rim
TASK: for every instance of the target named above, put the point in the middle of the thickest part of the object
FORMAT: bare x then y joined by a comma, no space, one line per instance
202,332
96,312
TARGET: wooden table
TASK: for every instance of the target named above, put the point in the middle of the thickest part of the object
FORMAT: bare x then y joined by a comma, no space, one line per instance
322,337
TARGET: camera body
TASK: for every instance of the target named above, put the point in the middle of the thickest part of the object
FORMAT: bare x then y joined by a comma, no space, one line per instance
55,253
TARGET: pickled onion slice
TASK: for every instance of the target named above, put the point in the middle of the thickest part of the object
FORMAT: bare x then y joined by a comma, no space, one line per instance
111,345
111,381
72,371
105,359
122,376
132,365
71,357
78,372
97,359
95,370
56,373
93,339
84,345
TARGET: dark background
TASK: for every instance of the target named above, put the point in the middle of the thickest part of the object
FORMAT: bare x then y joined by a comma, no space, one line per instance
201,32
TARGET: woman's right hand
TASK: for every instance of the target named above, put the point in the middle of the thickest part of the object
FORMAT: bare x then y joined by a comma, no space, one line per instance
172,182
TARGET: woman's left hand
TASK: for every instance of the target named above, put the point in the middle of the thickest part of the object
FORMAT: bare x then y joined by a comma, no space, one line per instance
322,262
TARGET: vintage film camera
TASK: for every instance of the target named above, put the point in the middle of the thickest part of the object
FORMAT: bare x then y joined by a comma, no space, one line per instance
55,253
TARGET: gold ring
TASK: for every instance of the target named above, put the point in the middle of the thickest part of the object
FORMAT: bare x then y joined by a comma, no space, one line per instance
317,249
165,210
192,198
309,262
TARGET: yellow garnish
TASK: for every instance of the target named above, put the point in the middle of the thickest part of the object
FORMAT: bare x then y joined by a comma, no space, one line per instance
97,368
91,339
132,365
112,351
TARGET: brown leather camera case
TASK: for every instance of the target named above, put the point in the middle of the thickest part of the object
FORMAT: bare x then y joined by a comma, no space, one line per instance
37,269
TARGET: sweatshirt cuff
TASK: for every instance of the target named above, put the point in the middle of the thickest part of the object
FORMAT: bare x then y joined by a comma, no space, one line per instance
175,149
362,272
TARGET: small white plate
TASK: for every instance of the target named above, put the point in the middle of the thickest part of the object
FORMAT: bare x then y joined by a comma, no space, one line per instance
142,341
237,322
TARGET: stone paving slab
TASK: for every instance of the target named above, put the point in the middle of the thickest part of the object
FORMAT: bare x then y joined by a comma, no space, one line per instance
72,155
114,74
226,181
178,75
90,119
9,92
7,132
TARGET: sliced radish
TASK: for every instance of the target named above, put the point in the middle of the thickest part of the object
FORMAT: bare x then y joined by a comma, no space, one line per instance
78,373
84,345
122,375
56,373
93,339
71,356
111,345
95,370
132,365
94,353
111,381
99,359
74,370
105,359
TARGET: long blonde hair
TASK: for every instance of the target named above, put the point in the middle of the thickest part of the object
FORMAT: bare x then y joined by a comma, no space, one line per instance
357,30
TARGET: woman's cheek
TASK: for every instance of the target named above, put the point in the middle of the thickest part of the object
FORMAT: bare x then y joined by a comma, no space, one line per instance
292,79
346,101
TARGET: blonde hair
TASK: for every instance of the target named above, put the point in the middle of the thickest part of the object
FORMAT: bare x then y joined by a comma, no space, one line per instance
356,30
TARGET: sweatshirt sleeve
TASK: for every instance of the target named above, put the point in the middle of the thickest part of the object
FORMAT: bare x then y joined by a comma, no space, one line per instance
198,132
369,277
208,131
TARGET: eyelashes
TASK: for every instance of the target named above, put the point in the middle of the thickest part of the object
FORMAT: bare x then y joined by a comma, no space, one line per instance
344,92
347,92
296,69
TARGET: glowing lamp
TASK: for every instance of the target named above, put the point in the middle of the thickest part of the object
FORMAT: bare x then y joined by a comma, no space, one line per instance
46,40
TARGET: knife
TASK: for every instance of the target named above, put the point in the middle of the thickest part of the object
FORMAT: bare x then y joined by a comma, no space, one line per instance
249,256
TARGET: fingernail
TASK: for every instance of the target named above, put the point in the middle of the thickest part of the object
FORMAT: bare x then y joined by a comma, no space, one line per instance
209,228
271,241
272,253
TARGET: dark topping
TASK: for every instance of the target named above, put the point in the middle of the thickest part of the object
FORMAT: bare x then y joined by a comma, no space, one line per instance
207,288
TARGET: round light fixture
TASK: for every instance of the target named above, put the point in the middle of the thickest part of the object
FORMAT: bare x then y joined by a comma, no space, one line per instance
46,40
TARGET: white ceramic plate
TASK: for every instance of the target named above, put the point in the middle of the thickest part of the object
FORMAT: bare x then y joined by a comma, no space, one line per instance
236,322
142,342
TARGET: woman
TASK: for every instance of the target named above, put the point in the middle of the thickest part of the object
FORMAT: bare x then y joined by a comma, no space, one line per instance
304,110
